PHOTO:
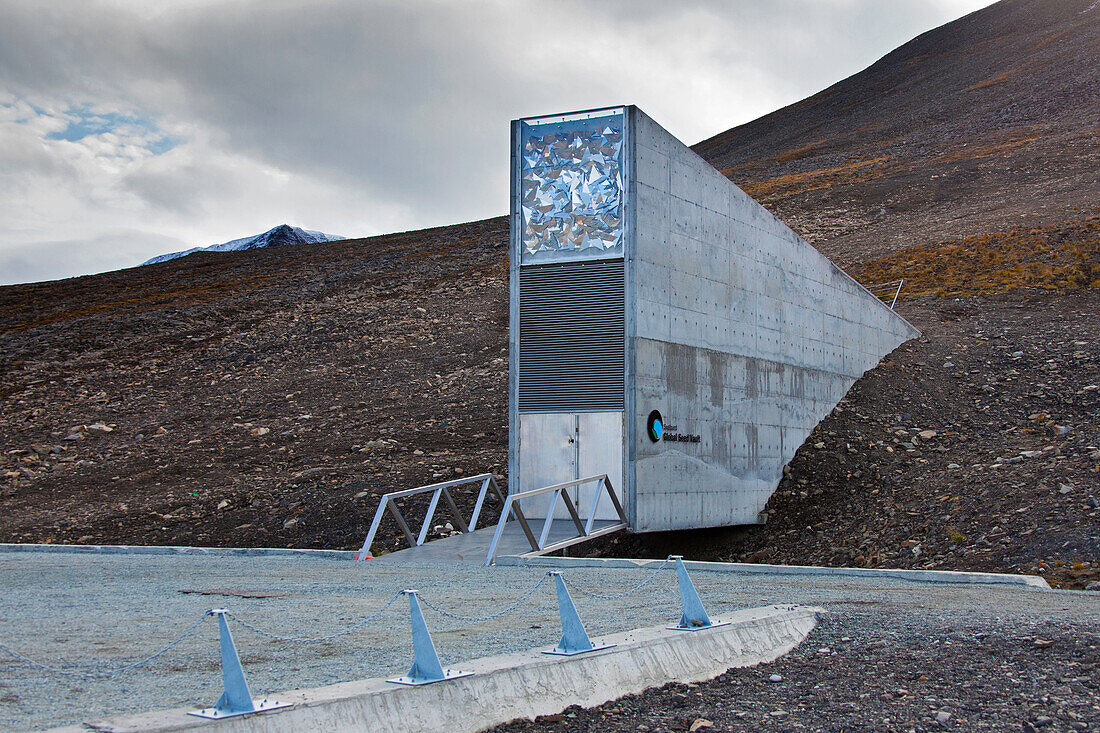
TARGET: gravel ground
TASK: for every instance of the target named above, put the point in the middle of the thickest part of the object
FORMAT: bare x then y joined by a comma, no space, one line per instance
75,610
858,672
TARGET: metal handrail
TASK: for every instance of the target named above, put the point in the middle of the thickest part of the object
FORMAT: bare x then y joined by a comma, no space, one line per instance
887,287
584,529
438,490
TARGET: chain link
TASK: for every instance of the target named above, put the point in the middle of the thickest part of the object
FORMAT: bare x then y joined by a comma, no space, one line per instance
106,673
316,639
490,617
624,594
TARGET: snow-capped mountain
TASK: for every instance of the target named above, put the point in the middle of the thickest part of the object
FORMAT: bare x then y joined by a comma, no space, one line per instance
280,235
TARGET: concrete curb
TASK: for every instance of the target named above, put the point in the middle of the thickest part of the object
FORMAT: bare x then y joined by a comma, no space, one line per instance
913,576
511,686
177,550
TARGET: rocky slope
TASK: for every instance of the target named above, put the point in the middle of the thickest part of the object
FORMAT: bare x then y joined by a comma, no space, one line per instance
247,399
983,125
856,673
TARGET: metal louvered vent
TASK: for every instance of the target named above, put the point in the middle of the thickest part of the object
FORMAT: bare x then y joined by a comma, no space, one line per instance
571,337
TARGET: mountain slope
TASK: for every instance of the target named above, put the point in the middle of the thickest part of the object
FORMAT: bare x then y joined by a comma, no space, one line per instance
279,236
986,124
270,397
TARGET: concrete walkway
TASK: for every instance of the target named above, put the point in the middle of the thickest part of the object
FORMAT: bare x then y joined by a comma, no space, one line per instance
70,609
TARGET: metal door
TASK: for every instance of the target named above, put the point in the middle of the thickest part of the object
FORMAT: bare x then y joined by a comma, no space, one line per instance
599,450
559,447
548,455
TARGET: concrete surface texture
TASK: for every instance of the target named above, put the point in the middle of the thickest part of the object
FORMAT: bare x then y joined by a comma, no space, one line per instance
741,568
645,283
79,610
744,335
505,687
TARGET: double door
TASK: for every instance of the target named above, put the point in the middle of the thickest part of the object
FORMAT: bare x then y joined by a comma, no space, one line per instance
558,447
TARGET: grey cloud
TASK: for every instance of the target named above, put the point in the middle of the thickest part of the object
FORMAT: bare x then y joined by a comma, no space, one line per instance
385,97
181,190
58,259
403,101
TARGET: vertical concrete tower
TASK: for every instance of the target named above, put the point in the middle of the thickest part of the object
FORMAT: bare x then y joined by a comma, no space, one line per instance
665,328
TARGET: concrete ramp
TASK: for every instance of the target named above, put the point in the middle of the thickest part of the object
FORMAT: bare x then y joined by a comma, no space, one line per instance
511,686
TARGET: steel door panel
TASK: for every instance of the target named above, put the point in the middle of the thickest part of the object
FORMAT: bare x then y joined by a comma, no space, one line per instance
548,456
600,450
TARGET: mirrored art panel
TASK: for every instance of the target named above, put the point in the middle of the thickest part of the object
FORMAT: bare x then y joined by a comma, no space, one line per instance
571,188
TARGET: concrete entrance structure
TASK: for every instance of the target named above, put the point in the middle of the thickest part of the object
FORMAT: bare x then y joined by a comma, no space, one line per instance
666,329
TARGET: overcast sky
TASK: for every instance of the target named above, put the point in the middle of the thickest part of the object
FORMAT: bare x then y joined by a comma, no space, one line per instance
130,128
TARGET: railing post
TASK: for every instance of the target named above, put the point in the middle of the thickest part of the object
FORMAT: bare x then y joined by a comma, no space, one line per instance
693,616
480,501
614,499
364,552
395,512
236,698
499,530
896,294
462,526
595,505
428,518
425,668
549,521
574,639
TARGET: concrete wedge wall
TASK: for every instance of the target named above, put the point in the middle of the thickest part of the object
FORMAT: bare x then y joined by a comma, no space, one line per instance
742,335
513,686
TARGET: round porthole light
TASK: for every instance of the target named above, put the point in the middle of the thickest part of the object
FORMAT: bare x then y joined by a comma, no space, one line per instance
655,426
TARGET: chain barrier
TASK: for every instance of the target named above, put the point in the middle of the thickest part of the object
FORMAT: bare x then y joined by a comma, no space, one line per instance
108,673
624,594
492,616
105,674
315,639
